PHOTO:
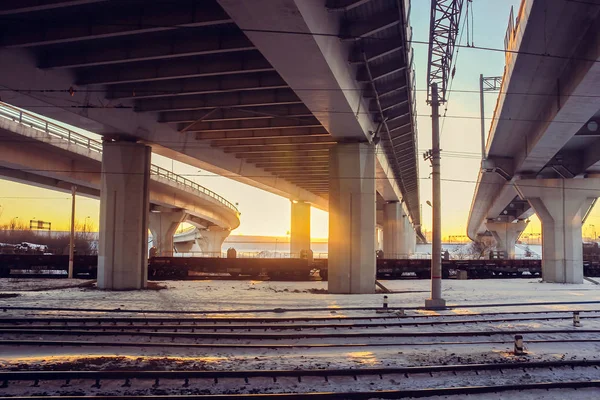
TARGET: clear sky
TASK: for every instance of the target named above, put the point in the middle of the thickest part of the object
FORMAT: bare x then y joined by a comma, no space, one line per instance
266,214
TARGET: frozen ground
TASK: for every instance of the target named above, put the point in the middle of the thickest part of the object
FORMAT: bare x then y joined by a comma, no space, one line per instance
214,295
207,295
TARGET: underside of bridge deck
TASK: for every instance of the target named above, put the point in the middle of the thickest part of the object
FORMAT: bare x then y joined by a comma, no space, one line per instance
196,67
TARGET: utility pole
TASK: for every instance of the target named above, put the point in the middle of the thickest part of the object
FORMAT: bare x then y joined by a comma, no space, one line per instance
436,301
72,240
443,32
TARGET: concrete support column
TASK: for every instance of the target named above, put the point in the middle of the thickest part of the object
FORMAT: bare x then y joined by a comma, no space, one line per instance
410,237
506,235
163,225
212,240
560,205
394,231
300,228
124,208
352,216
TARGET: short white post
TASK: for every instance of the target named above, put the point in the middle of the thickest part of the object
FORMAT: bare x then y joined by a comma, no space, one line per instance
385,302
576,320
519,345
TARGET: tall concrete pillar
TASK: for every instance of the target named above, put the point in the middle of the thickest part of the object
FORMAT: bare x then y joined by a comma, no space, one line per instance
351,262
163,225
410,237
560,205
394,231
212,239
124,208
300,228
506,235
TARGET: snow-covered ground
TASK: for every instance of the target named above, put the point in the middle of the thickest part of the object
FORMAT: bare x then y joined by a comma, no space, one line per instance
228,295
361,352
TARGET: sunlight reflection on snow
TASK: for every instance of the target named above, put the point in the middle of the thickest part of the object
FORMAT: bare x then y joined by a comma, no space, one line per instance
363,357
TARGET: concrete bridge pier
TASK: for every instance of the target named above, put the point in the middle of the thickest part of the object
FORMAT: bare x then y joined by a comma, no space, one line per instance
163,225
212,240
560,204
506,234
352,216
394,230
410,237
300,228
124,209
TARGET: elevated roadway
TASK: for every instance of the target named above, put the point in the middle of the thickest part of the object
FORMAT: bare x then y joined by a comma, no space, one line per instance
543,148
38,152
312,100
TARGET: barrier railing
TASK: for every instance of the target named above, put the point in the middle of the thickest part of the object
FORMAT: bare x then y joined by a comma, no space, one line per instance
57,131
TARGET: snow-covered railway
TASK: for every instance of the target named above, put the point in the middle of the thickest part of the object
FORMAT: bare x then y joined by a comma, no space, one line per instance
384,383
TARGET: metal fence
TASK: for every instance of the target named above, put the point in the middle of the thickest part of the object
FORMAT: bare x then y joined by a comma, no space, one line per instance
71,137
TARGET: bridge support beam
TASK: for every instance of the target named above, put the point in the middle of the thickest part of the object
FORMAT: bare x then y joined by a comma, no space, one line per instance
124,208
352,214
394,231
506,235
212,239
560,205
163,225
300,228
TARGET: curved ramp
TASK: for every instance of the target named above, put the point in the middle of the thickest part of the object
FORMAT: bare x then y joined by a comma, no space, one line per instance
36,151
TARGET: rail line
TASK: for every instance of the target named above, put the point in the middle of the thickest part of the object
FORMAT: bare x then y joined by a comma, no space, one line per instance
284,310
188,346
60,331
188,378
38,376
383,394
296,327
267,320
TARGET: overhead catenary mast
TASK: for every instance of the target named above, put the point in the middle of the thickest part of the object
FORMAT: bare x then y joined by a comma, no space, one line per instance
443,31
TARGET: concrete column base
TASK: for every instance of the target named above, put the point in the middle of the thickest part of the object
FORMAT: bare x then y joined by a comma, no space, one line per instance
163,226
211,241
560,204
124,208
435,304
506,235
352,209
300,228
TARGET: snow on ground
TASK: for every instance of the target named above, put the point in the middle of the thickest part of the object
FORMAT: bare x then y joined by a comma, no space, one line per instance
227,295
221,295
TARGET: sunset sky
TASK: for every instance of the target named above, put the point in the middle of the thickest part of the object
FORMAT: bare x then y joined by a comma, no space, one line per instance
267,214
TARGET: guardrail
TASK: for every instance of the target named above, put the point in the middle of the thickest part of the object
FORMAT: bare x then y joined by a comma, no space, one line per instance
57,131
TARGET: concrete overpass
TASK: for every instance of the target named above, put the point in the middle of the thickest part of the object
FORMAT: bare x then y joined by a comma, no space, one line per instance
312,100
36,151
543,148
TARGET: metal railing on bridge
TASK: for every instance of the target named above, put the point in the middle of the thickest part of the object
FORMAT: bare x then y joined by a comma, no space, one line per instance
62,133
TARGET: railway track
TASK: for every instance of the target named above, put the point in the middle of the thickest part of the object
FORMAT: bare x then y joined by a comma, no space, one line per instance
7,307
214,320
383,394
192,326
178,381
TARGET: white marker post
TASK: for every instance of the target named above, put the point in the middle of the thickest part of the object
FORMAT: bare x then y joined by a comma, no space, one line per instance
519,345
